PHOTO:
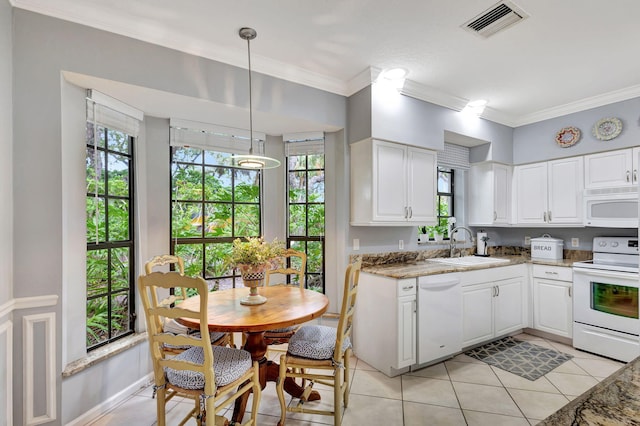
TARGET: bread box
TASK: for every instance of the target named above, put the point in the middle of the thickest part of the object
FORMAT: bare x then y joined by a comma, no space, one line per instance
546,248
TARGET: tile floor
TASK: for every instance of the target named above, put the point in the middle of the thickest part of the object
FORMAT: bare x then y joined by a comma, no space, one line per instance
459,391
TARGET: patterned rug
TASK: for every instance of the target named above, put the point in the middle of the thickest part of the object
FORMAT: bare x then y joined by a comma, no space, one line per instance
522,358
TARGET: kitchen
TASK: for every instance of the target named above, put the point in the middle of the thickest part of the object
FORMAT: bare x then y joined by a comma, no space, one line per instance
32,28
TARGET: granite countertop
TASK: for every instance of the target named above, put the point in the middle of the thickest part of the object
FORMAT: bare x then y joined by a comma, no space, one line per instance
413,269
614,401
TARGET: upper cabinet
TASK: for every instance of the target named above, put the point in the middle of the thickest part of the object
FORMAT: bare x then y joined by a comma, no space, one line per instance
392,184
549,193
490,194
612,168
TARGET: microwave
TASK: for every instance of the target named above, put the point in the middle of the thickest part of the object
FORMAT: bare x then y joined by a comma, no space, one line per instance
615,207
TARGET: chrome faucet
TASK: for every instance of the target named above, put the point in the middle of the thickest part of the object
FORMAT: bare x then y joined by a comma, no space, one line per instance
452,239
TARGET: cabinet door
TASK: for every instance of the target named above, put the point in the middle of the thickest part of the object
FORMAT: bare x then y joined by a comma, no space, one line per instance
421,185
406,331
613,168
501,194
552,306
477,313
565,187
389,174
635,154
531,193
508,306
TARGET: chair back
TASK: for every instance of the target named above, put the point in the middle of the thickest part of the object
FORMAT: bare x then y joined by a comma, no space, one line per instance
297,265
167,259
156,309
345,324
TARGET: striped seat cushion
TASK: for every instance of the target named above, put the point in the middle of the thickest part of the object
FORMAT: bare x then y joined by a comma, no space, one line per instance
214,336
315,342
229,365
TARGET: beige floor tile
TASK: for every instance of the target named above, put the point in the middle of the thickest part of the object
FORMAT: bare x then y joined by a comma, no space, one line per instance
569,350
374,383
136,410
325,403
528,337
421,414
481,374
466,358
601,367
485,398
372,411
477,418
571,384
361,365
537,405
436,371
570,367
429,391
510,380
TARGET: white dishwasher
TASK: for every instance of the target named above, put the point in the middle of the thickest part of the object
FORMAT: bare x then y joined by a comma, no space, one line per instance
439,317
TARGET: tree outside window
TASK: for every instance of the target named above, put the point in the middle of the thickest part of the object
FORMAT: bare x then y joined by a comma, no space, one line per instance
444,199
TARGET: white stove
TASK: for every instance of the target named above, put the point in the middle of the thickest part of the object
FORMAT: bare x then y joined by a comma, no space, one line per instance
605,303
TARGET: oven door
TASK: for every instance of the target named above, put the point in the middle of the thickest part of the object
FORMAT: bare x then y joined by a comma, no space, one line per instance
607,299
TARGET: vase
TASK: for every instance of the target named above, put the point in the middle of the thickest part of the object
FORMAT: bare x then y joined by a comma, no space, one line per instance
253,278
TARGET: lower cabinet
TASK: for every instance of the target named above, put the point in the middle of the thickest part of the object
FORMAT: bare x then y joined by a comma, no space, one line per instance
552,299
492,308
384,332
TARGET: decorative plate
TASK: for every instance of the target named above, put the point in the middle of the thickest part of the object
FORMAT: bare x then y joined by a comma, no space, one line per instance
567,137
607,128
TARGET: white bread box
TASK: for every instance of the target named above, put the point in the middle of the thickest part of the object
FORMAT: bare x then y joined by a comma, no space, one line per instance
546,248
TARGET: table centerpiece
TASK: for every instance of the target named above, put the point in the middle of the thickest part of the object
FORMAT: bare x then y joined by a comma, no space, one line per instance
253,257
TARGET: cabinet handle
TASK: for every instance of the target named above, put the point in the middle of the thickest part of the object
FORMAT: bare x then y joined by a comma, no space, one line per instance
497,291
635,175
410,212
544,216
628,176
406,212
570,295
407,287
549,215
550,273
415,306
495,215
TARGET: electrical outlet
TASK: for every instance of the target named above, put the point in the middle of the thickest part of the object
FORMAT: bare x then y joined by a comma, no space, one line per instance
400,244
527,240
356,244
575,242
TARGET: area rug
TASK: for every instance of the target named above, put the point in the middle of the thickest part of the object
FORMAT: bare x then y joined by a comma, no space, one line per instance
522,358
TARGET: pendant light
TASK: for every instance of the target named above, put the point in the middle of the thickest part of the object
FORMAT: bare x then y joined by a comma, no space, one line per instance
251,161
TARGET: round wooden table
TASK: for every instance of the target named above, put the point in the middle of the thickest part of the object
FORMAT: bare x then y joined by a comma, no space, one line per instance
285,306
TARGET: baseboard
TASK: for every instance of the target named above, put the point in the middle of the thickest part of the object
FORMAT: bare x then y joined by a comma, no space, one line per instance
112,402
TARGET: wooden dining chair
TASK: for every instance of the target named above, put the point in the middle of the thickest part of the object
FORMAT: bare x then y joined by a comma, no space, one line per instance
212,376
180,294
292,272
321,354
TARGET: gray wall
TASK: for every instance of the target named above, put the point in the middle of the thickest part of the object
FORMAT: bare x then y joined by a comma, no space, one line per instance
6,136
536,142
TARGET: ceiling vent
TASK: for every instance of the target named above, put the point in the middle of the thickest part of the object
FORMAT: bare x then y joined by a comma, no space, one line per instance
498,17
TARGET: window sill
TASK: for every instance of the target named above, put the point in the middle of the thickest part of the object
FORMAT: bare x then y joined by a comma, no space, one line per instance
103,353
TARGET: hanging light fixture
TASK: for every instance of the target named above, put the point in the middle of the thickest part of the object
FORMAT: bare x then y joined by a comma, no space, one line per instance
251,161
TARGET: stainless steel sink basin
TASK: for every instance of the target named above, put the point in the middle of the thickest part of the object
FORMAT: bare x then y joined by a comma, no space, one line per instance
469,260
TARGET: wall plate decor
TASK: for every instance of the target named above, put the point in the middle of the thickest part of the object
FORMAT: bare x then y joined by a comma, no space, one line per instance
607,128
568,136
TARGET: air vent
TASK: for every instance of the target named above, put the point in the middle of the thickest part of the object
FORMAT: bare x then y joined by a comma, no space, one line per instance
496,18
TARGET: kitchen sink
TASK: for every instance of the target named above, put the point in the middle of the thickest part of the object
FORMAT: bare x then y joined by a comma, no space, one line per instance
468,260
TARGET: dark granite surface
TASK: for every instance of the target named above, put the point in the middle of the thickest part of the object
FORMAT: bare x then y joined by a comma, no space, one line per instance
612,402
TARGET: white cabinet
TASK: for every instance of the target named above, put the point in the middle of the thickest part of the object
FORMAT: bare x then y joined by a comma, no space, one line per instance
550,193
384,334
392,184
552,301
489,194
611,168
493,303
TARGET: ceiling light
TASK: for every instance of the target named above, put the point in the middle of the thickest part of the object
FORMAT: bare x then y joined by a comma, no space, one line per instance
475,107
251,161
393,77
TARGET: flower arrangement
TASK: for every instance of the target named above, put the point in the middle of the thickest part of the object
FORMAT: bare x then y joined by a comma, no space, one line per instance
255,254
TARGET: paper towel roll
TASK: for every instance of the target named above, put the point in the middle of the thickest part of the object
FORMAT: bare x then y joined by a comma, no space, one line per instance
481,244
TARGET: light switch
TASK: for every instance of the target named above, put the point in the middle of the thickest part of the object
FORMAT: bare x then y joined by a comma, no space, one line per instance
575,242
400,244
356,244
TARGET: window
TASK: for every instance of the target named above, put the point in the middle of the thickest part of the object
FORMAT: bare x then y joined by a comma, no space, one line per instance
305,188
212,204
445,197
110,237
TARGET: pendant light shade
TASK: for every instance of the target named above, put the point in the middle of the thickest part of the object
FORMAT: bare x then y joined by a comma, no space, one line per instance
251,161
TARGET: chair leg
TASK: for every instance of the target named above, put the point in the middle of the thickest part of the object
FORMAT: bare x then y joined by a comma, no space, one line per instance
347,376
160,405
257,394
337,396
280,389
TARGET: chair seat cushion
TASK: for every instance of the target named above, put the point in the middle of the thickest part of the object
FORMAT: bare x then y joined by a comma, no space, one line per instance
229,364
290,329
214,336
315,342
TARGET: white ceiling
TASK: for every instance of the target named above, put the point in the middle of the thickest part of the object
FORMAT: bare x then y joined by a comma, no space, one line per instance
567,56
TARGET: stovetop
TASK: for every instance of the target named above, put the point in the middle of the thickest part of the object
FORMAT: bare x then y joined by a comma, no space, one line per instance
613,254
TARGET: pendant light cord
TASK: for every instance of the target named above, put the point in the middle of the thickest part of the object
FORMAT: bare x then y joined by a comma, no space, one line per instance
250,99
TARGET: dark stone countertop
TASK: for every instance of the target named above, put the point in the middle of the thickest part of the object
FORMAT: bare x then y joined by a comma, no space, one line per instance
612,402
